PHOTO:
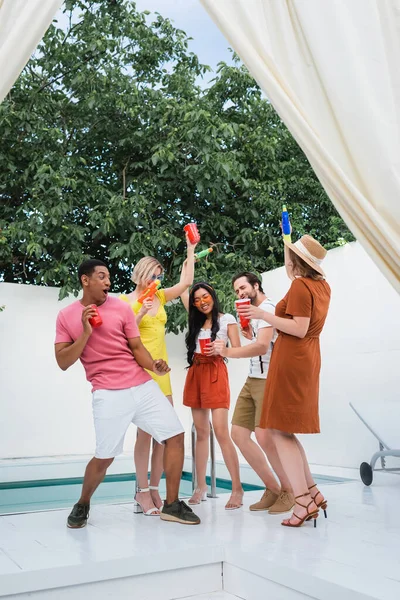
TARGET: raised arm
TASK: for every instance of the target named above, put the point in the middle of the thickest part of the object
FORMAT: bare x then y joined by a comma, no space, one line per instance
288,263
185,299
144,309
187,275
67,353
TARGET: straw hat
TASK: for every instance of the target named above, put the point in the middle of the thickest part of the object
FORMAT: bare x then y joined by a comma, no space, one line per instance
310,251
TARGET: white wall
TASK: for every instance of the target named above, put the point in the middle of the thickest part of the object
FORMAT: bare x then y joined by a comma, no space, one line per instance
360,348
44,411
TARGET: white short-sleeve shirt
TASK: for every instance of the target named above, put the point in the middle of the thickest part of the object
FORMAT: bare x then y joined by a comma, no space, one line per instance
259,364
222,334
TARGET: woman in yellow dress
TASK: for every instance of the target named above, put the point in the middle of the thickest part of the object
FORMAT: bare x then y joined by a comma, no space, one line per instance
151,319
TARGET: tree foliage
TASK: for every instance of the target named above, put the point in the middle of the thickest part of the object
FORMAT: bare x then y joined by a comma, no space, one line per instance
110,145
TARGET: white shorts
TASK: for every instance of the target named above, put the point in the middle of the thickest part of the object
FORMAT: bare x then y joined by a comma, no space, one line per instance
144,405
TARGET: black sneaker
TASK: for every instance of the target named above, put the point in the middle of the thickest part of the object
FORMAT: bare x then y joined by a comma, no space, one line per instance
78,516
179,512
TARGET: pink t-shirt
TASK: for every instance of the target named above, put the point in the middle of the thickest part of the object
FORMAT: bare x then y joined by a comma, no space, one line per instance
107,358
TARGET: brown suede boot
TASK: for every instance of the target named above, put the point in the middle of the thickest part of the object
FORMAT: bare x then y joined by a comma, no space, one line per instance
267,500
284,503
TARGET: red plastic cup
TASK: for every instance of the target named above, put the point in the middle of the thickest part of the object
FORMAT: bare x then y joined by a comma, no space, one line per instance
244,321
96,321
193,233
203,343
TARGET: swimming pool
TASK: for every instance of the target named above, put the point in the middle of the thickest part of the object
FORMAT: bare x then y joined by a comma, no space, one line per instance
53,494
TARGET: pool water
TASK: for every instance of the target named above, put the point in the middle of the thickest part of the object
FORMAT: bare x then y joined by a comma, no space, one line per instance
50,494
53,494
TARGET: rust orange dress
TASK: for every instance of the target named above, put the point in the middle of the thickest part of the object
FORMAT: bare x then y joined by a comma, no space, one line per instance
292,386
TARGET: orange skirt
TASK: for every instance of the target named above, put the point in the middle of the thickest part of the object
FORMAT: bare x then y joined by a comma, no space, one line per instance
207,384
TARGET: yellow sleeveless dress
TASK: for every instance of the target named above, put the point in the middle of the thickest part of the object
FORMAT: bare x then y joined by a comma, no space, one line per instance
152,334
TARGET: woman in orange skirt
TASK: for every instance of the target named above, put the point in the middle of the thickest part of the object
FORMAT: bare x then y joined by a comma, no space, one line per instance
207,386
292,388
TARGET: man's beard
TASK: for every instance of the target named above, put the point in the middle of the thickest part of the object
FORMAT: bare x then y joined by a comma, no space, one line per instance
253,298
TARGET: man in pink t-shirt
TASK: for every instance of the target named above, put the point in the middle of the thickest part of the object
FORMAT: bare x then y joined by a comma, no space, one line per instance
114,359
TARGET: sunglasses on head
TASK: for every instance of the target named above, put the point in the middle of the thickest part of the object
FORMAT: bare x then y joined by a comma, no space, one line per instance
203,300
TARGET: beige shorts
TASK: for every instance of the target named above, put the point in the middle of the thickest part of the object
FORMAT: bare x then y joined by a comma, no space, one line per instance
249,404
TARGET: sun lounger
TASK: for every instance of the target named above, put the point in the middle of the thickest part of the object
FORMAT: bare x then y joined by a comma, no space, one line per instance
383,420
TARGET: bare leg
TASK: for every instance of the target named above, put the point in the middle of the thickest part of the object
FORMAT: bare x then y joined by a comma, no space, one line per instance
94,475
255,457
157,467
221,429
173,465
141,457
266,441
157,463
201,420
309,478
292,462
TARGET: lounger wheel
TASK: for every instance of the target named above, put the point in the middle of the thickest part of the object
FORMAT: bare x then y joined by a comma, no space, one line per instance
366,473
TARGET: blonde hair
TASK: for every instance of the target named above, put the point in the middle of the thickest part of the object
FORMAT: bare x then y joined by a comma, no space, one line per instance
144,269
300,267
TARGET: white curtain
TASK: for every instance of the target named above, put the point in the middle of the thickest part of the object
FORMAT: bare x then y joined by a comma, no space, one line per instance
22,25
331,68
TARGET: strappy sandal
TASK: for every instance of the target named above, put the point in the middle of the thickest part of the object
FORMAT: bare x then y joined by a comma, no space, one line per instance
152,512
236,505
307,517
197,497
155,488
323,504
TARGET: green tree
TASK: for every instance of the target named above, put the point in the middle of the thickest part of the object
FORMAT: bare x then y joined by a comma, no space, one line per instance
109,146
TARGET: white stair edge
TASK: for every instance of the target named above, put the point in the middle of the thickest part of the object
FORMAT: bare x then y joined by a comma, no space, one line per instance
58,577
311,585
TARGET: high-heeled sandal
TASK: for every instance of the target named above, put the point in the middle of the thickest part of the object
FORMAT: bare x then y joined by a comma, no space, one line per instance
152,512
307,517
236,505
323,504
155,488
200,497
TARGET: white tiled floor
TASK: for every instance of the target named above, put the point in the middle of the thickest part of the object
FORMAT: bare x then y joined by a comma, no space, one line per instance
357,548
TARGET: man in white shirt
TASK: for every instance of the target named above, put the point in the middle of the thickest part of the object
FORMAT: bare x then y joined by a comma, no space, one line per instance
278,497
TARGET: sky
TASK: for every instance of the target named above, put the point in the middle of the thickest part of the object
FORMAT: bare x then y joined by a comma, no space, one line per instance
208,42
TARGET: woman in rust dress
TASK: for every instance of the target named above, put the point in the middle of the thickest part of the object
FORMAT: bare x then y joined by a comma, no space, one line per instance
292,387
